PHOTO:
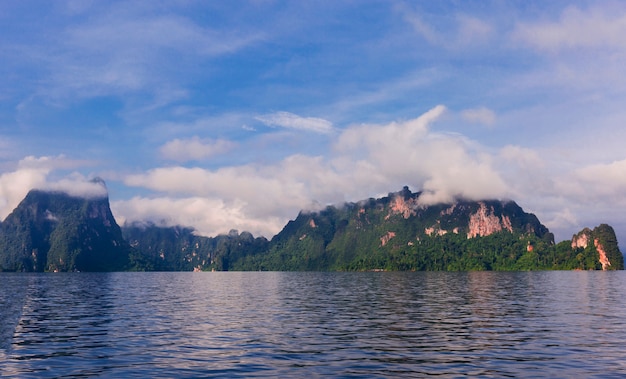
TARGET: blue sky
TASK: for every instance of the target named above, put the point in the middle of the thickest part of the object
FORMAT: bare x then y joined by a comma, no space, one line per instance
223,115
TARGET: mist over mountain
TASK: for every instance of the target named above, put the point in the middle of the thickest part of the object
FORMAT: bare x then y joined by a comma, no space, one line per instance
398,232
57,231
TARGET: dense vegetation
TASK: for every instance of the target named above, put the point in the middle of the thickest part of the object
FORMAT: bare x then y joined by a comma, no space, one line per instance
179,249
502,251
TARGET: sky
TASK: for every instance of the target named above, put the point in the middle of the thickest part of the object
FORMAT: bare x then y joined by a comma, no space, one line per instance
224,115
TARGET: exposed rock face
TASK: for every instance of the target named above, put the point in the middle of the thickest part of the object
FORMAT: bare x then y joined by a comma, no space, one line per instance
581,240
403,204
484,222
388,236
604,260
436,230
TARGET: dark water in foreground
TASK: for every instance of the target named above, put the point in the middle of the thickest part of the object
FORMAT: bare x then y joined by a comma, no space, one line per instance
536,324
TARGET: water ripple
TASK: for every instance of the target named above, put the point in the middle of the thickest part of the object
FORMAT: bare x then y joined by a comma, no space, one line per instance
484,324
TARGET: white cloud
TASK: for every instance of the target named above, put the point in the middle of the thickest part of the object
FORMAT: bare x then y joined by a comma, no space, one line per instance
480,115
563,196
292,121
33,173
366,160
209,216
597,27
194,148
444,166
76,185
15,185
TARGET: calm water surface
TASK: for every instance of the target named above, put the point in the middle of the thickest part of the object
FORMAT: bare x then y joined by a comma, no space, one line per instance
263,324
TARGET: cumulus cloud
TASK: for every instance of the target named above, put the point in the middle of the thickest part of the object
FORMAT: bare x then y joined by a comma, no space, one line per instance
444,166
15,185
366,160
209,216
480,115
33,173
293,121
262,189
194,148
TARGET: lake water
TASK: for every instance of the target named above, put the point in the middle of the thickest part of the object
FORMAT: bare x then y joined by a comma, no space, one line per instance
264,324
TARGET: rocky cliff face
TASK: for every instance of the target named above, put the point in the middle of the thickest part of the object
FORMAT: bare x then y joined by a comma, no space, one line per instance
402,203
484,222
581,240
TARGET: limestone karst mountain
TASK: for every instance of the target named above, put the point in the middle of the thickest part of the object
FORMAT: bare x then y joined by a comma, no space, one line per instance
55,231
398,232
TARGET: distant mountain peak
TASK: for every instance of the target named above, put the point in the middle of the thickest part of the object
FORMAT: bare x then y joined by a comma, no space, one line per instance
56,231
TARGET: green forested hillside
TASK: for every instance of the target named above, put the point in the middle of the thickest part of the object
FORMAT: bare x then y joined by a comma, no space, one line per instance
396,233
53,231
158,248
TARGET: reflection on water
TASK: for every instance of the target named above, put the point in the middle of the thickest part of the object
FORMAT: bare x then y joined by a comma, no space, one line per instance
489,324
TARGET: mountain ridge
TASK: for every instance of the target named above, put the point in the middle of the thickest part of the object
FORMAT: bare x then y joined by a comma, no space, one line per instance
54,231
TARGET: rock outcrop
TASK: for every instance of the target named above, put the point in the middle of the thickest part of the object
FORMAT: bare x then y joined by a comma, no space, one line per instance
402,203
581,240
484,222
601,243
